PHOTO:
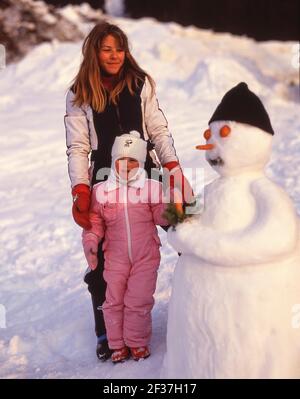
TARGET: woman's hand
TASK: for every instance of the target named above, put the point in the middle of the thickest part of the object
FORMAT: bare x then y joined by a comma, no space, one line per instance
81,203
177,182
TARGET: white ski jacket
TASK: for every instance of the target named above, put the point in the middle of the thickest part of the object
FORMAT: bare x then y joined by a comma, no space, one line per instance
82,138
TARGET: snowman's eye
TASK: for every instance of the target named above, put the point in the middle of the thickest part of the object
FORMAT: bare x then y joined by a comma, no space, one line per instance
225,131
207,134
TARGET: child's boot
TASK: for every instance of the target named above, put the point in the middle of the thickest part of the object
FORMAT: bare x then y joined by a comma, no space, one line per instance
140,353
119,355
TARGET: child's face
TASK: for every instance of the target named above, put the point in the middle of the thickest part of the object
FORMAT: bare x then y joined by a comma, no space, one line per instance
126,167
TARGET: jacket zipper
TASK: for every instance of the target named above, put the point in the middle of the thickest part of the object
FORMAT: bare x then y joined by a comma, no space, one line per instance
126,192
119,119
127,225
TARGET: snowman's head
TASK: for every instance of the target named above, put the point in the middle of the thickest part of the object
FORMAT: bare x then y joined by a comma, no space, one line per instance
240,133
233,147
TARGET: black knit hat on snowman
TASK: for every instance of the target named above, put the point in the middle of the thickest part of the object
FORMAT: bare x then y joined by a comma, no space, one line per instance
241,105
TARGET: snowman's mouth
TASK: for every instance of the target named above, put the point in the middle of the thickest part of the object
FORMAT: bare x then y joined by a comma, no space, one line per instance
216,162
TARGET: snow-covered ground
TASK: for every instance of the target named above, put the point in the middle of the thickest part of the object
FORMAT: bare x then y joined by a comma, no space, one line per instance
49,323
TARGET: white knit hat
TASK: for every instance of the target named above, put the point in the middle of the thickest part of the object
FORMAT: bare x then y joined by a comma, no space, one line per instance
130,145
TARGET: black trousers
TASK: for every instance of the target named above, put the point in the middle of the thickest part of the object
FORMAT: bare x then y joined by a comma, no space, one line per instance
97,288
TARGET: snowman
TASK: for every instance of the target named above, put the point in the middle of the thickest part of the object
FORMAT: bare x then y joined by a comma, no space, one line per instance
238,278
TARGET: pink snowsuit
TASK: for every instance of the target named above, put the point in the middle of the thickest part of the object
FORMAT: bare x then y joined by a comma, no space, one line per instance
132,256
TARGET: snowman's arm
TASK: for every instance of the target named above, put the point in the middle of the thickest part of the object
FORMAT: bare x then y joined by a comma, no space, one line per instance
273,233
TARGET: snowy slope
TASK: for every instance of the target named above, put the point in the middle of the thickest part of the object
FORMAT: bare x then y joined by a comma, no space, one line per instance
49,325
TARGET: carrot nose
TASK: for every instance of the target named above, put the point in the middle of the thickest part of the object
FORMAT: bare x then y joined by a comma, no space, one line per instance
205,147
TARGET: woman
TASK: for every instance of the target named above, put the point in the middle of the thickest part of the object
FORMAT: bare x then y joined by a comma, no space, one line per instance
111,95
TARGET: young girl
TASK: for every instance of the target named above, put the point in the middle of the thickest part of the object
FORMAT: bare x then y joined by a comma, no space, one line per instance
124,211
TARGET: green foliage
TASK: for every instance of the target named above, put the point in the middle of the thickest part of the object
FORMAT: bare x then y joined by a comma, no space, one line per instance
173,214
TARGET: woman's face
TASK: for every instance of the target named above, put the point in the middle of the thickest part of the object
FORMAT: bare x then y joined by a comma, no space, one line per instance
111,55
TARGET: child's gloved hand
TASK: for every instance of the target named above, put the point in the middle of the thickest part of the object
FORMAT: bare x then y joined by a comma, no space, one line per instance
81,203
90,248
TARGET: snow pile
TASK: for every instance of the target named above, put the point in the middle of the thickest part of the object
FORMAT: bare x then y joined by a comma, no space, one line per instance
49,324
26,23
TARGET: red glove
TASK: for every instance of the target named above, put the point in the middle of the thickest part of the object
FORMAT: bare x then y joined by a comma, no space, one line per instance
179,182
81,203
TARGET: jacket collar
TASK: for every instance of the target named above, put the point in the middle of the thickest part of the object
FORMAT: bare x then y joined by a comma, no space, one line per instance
112,183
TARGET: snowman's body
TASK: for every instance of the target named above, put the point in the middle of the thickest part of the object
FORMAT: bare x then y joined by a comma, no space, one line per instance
238,278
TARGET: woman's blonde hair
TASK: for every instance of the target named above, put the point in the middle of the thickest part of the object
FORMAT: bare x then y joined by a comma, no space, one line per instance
87,85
